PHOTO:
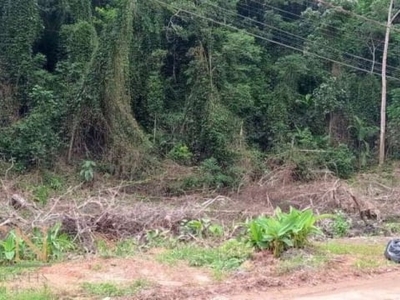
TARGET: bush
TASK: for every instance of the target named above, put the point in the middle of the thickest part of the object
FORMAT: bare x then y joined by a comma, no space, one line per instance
34,139
283,230
210,175
181,154
340,225
341,161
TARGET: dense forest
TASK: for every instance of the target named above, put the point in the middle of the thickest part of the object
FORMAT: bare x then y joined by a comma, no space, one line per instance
219,84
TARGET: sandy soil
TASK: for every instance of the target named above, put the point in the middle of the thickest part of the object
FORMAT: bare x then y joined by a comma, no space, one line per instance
382,287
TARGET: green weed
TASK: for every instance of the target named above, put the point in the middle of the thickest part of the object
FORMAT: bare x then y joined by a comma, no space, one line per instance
340,225
302,261
368,255
41,194
361,249
13,271
123,248
113,290
393,228
228,256
366,263
201,228
159,238
42,294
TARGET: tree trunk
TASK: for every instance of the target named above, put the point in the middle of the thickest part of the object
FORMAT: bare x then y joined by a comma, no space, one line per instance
383,101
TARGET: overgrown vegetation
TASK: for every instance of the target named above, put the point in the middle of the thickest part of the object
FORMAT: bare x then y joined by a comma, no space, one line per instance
228,256
41,294
113,290
121,85
42,244
341,225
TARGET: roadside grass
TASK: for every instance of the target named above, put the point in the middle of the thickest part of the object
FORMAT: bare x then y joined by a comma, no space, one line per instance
28,294
392,227
122,248
302,260
108,289
352,248
221,259
366,255
11,272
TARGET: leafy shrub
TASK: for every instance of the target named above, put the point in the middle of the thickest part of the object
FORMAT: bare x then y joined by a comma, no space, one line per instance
213,175
340,160
210,176
340,225
87,170
283,230
55,182
181,154
41,194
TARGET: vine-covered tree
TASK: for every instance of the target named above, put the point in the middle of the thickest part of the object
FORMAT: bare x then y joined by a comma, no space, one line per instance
129,82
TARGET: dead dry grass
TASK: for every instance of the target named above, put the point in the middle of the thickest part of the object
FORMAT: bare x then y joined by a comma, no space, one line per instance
117,212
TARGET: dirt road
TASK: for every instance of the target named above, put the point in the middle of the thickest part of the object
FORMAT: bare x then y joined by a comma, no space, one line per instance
381,287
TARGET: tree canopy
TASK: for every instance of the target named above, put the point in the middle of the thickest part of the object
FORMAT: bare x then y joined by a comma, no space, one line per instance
205,82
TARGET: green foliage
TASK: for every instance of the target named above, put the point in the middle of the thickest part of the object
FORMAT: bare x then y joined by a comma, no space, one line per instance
364,134
229,256
181,154
34,139
55,242
8,247
213,175
340,225
87,171
112,80
21,25
112,290
28,294
159,238
341,161
79,40
307,259
201,228
53,181
41,194
283,230
50,244
393,111
310,154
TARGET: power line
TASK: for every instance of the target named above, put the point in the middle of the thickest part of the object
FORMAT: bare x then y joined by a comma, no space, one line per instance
302,38
269,40
341,9
301,16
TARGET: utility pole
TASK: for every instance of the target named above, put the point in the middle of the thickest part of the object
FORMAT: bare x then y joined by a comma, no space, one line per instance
390,20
